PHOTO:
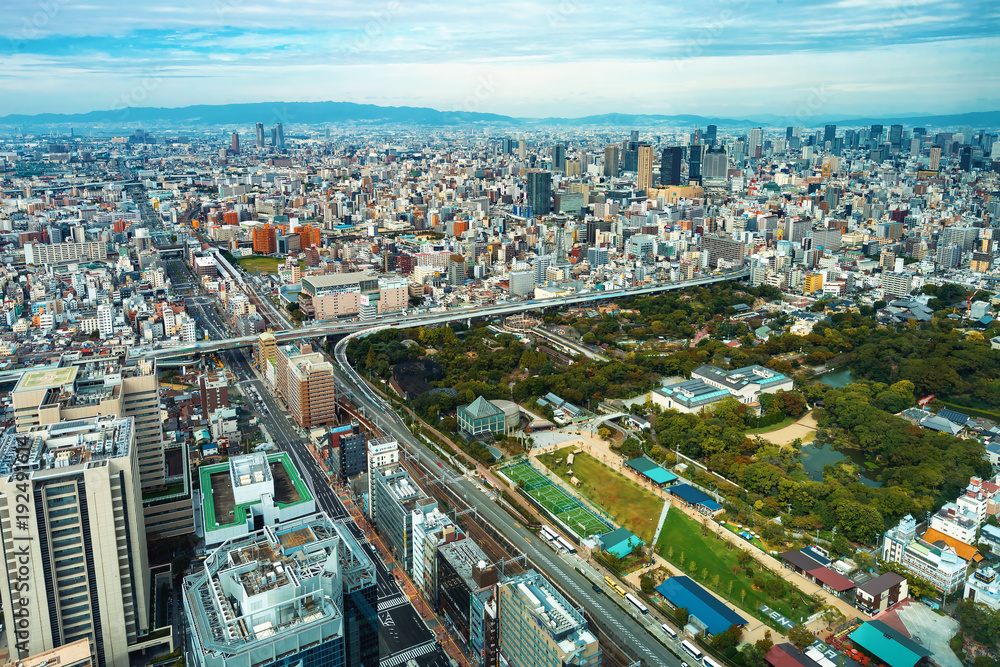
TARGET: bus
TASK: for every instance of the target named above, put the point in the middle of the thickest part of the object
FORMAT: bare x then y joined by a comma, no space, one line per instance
691,649
615,587
634,601
709,662
669,631
549,534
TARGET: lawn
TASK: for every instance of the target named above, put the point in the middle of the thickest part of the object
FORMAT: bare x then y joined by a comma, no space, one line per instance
628,503
708,561
787,421
263,264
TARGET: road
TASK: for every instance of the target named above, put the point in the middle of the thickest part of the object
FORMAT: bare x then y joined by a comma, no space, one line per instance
402,633
634,631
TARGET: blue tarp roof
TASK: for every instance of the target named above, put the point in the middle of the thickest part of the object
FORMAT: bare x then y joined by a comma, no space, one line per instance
684,592
651,470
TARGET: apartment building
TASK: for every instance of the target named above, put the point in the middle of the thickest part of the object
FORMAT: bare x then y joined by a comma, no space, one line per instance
306,384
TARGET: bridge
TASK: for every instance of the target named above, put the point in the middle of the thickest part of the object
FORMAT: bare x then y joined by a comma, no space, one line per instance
336,328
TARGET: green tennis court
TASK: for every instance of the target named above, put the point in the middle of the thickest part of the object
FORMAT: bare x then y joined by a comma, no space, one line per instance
567,509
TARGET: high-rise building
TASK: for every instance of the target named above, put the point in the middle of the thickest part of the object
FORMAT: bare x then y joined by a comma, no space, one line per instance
715,165
722,248
302,593
305,381
214,390
558,158
279,136
611,159
106,320
934,164
896,135
260,136
522,283
541,628
541,266
234,143
875,135
597,256
670,165
829,133
755,143
79,540
466,595
711,134
265,240
539,192
694,163
896,285
644,167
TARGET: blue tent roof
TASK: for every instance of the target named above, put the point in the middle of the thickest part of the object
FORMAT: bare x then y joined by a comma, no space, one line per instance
888,645
617,542
683,592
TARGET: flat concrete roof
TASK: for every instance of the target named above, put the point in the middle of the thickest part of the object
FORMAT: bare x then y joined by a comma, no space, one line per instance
43,378
218,508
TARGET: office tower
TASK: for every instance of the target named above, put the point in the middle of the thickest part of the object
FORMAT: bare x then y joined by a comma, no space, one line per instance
80,539
896,135
934,164
558,157
634,136
715,165
721,248
591,237
539,192
644,167
394,498
597,257
755,143
965,158
829,133
711,133
630,159
541,628
796,230
260,136
305,381
466,596
522,283
302,593
670,165
962,236
611,154
279,136
522,148
234,143
875,135
573,167
694,163
541,267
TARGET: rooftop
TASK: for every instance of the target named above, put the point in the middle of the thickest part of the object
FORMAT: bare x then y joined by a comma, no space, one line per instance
219,507
66,444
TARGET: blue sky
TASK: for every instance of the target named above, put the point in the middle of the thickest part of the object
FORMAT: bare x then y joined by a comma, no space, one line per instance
550,58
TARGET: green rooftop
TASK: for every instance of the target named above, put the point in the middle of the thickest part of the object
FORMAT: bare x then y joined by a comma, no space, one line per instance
217,491
42,378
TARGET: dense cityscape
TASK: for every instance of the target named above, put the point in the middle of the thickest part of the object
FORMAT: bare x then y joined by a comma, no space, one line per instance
528,334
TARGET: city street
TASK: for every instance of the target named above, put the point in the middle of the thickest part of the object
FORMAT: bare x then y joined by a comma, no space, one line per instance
402,633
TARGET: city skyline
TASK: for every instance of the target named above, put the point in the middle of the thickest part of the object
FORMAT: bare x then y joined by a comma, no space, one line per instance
522,59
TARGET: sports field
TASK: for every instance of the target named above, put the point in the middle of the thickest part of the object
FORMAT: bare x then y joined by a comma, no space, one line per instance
577,517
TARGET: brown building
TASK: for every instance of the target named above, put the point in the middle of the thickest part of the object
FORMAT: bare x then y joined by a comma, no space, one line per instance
265,240
214,389
305,382
881,593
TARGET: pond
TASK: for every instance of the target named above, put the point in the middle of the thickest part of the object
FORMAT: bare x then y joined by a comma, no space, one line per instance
837,378
815,457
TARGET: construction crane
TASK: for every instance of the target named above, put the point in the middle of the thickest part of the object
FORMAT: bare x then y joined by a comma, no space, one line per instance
968,305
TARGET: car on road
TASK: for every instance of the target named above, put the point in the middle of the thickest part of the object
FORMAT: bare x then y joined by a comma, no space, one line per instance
439,464
596,587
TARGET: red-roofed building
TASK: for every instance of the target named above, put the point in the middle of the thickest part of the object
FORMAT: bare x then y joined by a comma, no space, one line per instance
833,582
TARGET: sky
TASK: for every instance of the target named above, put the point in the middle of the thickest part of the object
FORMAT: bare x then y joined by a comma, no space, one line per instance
794,59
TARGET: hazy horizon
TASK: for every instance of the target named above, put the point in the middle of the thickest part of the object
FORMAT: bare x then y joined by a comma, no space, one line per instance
563,58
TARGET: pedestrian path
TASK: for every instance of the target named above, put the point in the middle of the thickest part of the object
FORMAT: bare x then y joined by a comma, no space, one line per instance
410,654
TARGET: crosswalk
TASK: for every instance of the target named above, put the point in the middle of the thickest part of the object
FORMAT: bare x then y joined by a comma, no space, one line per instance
409,654
392,603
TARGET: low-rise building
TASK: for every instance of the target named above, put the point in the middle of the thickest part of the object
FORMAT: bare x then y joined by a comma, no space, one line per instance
983,586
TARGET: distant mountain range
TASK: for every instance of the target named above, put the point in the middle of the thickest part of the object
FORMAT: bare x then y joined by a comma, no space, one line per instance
327,113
